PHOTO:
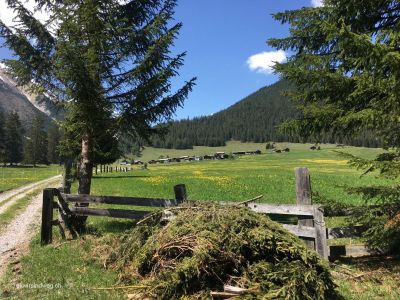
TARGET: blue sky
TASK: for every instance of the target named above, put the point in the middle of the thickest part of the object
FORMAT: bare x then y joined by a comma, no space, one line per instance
220,37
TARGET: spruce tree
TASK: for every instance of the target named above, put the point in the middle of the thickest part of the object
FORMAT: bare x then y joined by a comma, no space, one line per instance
36,145
2,138
107,61
346,74
13,141
53,141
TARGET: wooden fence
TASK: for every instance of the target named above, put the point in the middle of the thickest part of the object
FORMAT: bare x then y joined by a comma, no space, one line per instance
310,218
67,216
110,169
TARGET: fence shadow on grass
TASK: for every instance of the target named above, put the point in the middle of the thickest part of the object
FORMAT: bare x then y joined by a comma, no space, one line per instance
124,176
114,226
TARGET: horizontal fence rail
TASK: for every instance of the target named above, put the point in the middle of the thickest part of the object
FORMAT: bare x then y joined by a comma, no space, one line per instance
283,209
154,202
109,212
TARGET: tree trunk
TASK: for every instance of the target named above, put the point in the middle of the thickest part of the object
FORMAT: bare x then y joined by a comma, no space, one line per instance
85,177
86,165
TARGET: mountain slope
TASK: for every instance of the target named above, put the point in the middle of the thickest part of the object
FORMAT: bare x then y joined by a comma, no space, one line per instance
254,119
14,98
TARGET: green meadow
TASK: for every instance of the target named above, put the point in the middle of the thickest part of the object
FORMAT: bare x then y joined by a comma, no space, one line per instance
81,275
12,177
269,174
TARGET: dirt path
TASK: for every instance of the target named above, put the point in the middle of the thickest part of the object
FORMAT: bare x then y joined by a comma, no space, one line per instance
14,195
26,188
14,239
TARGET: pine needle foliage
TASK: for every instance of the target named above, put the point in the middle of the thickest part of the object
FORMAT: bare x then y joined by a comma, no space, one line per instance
345,69
207,246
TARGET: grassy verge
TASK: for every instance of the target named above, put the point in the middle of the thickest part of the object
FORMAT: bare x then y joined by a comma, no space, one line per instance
16,208
66,271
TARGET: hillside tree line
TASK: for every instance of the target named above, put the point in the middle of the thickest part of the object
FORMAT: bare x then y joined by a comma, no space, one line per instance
31,144
256,118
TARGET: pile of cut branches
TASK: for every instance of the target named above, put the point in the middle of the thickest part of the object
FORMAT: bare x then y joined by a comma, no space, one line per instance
207,247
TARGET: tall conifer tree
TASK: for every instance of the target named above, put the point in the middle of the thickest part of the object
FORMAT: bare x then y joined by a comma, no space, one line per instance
36,145
108,61
346,72
13,139
53,141
2,138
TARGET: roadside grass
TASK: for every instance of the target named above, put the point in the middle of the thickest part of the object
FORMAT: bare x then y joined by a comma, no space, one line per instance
16,208
60,271
13,177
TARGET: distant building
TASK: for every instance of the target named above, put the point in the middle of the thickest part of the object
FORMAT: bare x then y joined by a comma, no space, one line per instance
247,152
164,160
124,163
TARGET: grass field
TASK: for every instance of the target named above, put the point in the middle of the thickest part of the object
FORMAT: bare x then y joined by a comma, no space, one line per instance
269,174
232,146
72,266
17,176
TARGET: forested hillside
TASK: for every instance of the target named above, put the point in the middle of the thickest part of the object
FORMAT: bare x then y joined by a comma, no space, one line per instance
254,119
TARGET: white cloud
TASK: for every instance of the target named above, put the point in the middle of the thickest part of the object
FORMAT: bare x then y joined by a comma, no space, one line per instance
264,61
7,15
317,3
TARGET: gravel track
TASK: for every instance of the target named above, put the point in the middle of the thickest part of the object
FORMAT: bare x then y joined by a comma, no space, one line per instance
14,239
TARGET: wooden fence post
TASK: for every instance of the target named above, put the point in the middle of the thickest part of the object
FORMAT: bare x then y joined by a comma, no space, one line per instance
47,217
303,196
180,193
320,230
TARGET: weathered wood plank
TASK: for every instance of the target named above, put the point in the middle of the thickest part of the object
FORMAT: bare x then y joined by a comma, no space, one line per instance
303,197
155,202
300,231
282,209
113,213
344,232
349,251
320,229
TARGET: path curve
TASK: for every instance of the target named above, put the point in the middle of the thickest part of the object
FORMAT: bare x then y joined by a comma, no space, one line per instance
11,193
14,240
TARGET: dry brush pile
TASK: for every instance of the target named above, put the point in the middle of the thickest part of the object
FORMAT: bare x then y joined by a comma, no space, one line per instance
208,246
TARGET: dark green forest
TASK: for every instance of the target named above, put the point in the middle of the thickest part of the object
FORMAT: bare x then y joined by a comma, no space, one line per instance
255,118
